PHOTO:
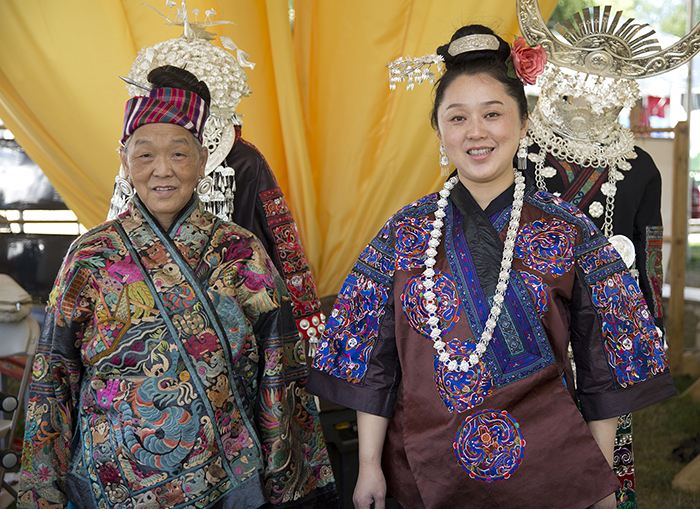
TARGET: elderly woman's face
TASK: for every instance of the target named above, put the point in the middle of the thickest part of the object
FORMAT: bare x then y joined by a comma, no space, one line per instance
163,163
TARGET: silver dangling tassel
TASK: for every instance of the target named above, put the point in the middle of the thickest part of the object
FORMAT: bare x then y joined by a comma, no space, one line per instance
522,153
122,193
444,162
204,186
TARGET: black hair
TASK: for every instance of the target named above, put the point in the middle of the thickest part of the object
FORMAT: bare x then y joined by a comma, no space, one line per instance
491,62
169,76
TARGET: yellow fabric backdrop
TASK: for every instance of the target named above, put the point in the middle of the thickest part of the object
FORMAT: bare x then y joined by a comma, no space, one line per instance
346,151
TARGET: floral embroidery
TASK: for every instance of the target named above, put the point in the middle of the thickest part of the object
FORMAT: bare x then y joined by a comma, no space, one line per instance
462,391
448,303
634,348
538,291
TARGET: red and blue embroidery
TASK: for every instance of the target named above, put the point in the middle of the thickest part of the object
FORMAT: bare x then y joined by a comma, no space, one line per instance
489,445
547,246
412,236
448,303
538,291
462,391
633,346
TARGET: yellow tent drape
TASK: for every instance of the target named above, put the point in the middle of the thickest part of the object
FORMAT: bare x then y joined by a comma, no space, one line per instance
346,151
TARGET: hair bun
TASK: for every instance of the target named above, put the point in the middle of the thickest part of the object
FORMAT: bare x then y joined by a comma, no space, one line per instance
451,61
169,76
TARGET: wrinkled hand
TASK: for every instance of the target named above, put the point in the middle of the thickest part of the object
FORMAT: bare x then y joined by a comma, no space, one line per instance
608,502
370,487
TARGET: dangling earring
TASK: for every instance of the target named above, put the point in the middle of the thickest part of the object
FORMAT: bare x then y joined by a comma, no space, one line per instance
124,186
444,162
522,152
204,186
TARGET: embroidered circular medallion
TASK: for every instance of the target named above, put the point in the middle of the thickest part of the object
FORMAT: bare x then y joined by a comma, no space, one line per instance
547,246
489,445
461,391
448,303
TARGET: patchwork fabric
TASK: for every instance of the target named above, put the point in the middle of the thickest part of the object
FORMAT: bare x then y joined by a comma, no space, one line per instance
294,267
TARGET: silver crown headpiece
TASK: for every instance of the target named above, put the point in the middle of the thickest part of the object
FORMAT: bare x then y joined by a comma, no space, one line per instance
219,69
222,72
597,44
583,106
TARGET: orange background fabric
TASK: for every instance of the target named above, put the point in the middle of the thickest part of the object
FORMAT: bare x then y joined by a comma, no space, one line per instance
346,150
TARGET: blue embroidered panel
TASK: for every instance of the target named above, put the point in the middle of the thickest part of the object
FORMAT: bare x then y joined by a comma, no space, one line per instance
634,348
353,327
519,346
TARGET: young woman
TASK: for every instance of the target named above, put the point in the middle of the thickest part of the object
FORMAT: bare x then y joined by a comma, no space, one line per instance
450,336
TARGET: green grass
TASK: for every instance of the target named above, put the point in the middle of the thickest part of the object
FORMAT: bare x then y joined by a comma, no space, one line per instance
657,430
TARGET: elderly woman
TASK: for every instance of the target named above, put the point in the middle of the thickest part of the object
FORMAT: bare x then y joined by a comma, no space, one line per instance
169,371
450,336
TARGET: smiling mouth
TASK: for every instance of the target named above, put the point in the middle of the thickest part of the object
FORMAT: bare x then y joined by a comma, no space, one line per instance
163,188
479,151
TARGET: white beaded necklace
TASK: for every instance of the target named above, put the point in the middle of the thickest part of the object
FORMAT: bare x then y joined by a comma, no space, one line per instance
501,286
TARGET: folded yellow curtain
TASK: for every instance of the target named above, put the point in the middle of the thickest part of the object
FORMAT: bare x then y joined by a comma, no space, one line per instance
346,150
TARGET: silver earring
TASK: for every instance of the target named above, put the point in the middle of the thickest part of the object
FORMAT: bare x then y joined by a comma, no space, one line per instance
444,162
124,186
204,186
522,152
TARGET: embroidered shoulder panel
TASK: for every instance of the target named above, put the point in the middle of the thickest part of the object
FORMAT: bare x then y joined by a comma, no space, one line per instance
353,327
568,212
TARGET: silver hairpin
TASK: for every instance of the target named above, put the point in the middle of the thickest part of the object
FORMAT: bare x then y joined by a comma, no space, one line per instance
132,82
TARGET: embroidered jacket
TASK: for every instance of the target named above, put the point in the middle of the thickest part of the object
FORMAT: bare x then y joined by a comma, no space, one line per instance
260,207
169,373
509,432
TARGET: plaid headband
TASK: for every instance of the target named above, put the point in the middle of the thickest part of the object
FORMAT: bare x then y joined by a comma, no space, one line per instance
166,106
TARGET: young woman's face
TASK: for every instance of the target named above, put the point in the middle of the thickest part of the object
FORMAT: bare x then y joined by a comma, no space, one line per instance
479,125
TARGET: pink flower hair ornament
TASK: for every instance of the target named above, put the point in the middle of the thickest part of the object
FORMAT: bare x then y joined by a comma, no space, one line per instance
526,63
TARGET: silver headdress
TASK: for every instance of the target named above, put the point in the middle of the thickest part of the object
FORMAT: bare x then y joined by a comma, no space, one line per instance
588,81
223,73
599,45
